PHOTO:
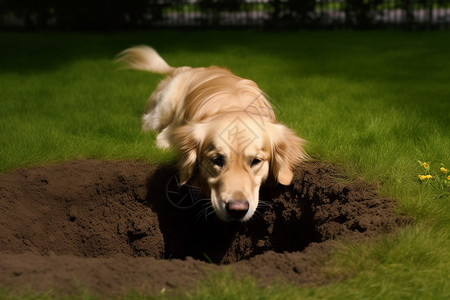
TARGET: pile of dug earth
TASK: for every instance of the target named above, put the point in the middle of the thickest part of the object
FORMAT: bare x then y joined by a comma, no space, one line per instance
115,226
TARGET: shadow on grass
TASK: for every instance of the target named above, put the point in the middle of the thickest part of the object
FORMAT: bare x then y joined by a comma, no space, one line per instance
309,53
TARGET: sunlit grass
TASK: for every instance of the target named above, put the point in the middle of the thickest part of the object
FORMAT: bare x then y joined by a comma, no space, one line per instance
75,111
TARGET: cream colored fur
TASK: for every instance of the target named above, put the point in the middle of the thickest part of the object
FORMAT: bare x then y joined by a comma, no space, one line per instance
223,128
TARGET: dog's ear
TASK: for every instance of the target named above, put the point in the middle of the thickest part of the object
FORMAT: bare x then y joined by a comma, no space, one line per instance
287,152
187,141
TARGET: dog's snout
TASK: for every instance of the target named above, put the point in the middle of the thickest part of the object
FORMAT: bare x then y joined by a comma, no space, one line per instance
237,209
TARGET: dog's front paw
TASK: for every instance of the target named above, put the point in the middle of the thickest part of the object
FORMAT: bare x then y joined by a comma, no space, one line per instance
162,142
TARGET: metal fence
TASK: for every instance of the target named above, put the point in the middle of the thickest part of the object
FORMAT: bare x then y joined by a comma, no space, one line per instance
266,14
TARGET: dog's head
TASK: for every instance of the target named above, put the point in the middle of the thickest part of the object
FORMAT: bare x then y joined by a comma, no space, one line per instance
232,155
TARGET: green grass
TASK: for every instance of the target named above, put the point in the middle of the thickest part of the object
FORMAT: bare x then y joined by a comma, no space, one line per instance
375,102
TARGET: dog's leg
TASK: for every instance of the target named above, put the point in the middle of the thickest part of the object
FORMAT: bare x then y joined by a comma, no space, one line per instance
152,120
163,103
162,140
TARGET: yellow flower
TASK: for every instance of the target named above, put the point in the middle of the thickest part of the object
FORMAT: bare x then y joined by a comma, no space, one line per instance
425,165
423,177
448,177
444,170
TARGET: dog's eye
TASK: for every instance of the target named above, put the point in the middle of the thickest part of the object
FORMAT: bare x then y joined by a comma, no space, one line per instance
255,161
218,160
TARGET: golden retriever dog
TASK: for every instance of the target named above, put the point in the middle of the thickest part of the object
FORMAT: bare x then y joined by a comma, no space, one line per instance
224,130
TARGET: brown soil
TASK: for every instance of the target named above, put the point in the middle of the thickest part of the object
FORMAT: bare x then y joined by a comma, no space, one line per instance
110,227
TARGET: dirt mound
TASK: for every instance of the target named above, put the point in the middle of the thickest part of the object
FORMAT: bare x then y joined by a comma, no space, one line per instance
113,226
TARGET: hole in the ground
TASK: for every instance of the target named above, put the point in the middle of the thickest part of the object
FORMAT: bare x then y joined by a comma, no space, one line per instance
285,223
100,209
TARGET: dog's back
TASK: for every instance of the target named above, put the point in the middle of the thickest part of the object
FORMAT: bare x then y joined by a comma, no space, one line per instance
193,94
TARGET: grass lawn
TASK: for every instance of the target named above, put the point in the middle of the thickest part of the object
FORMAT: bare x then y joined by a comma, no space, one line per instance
375,102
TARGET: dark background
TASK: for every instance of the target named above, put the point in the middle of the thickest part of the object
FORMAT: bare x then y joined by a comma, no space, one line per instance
264,14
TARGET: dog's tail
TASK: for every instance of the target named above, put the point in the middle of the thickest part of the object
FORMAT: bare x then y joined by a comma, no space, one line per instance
144,58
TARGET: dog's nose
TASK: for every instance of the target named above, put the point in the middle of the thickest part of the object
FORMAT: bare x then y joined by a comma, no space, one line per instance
237,208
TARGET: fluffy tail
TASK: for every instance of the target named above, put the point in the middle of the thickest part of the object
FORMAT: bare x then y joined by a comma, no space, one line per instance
144,58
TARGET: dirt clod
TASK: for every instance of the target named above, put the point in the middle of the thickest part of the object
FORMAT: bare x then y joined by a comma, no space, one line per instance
110,227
